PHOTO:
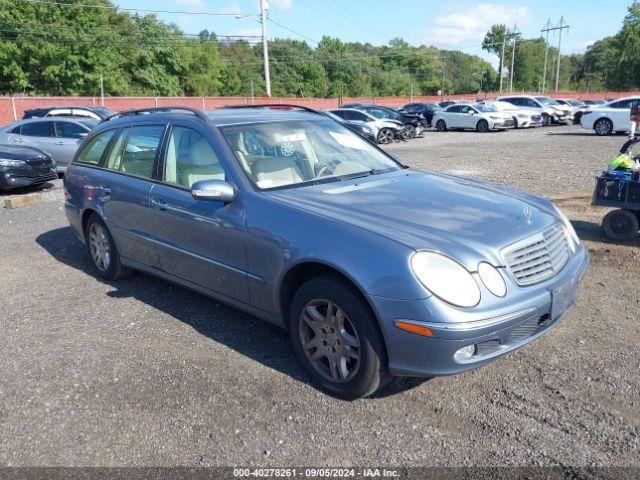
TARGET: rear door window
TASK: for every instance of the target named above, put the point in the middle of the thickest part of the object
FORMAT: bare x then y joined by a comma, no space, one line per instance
70,130
92,152
140,152
37,129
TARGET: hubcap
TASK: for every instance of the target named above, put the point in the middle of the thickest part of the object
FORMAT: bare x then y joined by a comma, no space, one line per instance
99,247
329,340
386,136
620,225
602,127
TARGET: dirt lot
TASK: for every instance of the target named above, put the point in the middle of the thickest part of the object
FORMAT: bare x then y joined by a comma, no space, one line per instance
141,372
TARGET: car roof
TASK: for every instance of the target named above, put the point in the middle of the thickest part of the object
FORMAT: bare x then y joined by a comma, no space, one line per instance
81,120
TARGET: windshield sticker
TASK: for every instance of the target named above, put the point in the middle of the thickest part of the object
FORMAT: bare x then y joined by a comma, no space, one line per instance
298,136
266,183
349,141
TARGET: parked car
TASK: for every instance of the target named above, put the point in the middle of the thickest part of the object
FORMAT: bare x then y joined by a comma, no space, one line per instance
363,130
412,125
610,117
59,137
523,117
95,113
481,118
375,270
446,103
587,105
426,110
386,129
23,166
550,112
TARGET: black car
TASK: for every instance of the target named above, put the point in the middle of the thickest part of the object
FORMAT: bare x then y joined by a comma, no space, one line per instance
97,113
446,103
22,166
426,110
413,124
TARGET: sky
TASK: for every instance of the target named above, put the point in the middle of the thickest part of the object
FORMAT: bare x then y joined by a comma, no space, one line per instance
450,24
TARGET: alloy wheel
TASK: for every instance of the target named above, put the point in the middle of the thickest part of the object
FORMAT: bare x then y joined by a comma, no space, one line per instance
603,127
329,340
99,247
385,136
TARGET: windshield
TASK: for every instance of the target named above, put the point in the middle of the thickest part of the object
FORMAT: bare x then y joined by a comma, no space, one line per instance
287,153
547,101
486,108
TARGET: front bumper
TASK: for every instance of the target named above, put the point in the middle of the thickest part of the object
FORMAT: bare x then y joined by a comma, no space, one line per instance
509,123
563,118
506,328
16,178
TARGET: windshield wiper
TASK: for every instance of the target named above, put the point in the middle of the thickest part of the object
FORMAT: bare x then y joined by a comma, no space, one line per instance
368,173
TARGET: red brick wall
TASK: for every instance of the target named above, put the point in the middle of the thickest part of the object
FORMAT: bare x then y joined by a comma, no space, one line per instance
12,108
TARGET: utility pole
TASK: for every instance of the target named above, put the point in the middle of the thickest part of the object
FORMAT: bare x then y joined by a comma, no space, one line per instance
264,8
444,59
561,27
548,29
411,92
504,41
546,54
513,56
101,90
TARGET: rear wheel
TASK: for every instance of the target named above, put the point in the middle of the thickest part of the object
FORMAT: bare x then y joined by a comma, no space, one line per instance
385,136
336,339
603,127
441,126
482,126
620,225
102,249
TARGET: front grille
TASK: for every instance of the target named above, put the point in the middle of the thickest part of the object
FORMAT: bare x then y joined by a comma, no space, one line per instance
536,118
488,347
529,328
539,257
39,162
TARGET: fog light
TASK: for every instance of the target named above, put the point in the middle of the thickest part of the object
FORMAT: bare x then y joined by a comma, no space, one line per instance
465,353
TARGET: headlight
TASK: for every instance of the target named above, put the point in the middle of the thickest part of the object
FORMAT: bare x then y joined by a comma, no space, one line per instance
446,279
368,130
522,115
492,279
7,162
572,236
495,118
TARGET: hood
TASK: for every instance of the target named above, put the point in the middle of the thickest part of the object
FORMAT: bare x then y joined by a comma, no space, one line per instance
468,220
389,122
21,152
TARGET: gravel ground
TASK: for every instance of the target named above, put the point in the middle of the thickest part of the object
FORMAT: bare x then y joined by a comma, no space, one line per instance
141,372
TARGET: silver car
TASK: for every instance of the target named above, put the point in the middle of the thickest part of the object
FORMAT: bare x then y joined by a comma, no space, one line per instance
386,129
59,136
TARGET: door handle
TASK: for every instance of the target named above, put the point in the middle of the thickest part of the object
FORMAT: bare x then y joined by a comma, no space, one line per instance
18,140
105,190
59,142
158,203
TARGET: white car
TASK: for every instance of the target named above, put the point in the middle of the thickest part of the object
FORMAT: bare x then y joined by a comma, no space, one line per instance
523,116
477,117
385,130
550,110
609,118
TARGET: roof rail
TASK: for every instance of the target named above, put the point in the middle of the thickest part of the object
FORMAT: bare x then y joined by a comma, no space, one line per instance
276,106
145,111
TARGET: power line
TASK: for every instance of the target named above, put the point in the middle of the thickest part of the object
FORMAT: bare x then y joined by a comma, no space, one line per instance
367,26
292,31
111,7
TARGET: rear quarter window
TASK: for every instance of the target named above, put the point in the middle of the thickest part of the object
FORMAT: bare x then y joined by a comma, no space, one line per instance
92,151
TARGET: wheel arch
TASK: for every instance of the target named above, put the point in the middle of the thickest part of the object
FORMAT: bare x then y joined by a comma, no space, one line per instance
304,270
604,118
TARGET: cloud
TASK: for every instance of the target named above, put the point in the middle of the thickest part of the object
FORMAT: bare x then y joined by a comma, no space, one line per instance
469,25
282,4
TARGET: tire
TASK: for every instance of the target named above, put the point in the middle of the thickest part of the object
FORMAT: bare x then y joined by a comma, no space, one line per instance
353,345
408,132
441,126
99,241
482,126
577,118
386,136
603,127
620,225
546,120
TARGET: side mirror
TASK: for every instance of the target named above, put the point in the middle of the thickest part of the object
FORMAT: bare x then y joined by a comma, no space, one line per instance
84,134
471,112
214,191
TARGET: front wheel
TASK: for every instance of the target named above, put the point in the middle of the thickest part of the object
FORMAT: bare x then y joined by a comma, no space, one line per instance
385,136
336,339
441,126
408,132
620,225
482,126
546,120
103,251
603,127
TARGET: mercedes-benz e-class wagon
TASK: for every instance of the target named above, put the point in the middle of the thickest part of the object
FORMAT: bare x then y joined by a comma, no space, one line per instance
374,269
